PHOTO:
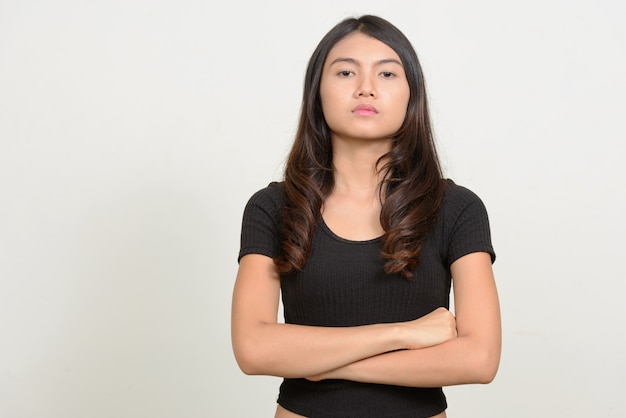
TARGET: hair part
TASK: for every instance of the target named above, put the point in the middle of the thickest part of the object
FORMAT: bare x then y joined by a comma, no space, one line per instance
412,187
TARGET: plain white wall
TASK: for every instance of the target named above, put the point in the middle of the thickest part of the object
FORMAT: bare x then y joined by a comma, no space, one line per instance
133,132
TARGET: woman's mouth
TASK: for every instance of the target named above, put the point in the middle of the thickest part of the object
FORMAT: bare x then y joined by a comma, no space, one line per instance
365,110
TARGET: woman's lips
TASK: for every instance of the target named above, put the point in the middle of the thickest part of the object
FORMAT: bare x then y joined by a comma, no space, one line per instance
365,110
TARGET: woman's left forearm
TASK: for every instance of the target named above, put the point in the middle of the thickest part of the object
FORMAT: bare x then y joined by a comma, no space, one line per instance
455,362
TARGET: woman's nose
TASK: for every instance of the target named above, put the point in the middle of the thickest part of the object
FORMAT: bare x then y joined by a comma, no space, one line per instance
366,88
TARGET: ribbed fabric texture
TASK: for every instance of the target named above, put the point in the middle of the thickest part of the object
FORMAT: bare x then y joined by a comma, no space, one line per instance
344,284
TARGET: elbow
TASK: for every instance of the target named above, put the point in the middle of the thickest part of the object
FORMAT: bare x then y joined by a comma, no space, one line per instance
248,369
253,359
486,367
248,363
246,356
253,354
486,375
245,366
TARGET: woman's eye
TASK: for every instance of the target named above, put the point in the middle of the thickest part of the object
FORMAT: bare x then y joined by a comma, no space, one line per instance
345,73
387,74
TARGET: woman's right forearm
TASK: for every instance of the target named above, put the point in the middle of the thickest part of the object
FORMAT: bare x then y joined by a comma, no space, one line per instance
293,351
289,350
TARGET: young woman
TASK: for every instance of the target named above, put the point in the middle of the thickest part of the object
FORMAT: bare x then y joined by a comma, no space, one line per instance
364,237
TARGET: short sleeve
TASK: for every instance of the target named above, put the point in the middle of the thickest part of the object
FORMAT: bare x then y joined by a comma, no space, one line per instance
260,224
468,225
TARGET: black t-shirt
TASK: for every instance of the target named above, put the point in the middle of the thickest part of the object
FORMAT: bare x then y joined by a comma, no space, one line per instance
343,284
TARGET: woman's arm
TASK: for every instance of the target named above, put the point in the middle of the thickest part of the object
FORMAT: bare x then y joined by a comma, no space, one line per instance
472,357
263,346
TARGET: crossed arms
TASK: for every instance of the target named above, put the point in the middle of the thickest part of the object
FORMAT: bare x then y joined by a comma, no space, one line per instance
438,349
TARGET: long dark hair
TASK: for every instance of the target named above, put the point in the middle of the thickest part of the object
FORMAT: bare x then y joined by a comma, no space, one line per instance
412,184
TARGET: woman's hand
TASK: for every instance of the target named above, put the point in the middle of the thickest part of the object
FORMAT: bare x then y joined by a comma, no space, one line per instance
434,328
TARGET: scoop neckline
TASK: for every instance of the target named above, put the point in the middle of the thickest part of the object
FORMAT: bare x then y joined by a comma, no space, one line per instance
330,232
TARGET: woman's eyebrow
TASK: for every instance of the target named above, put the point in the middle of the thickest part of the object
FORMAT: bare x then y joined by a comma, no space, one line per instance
388,60
356,62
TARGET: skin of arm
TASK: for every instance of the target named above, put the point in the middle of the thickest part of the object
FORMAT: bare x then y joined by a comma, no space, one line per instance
472,357
263,346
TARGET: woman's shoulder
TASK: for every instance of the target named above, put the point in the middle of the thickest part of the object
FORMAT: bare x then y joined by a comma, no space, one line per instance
457,195
465,223
459,199
270,197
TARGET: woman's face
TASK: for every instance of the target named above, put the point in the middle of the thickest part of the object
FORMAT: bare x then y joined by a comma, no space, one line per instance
364,90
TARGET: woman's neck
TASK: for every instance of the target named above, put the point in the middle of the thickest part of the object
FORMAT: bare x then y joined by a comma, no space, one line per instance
352,209
357,169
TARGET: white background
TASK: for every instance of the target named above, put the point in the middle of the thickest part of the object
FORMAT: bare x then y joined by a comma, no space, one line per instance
133,132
